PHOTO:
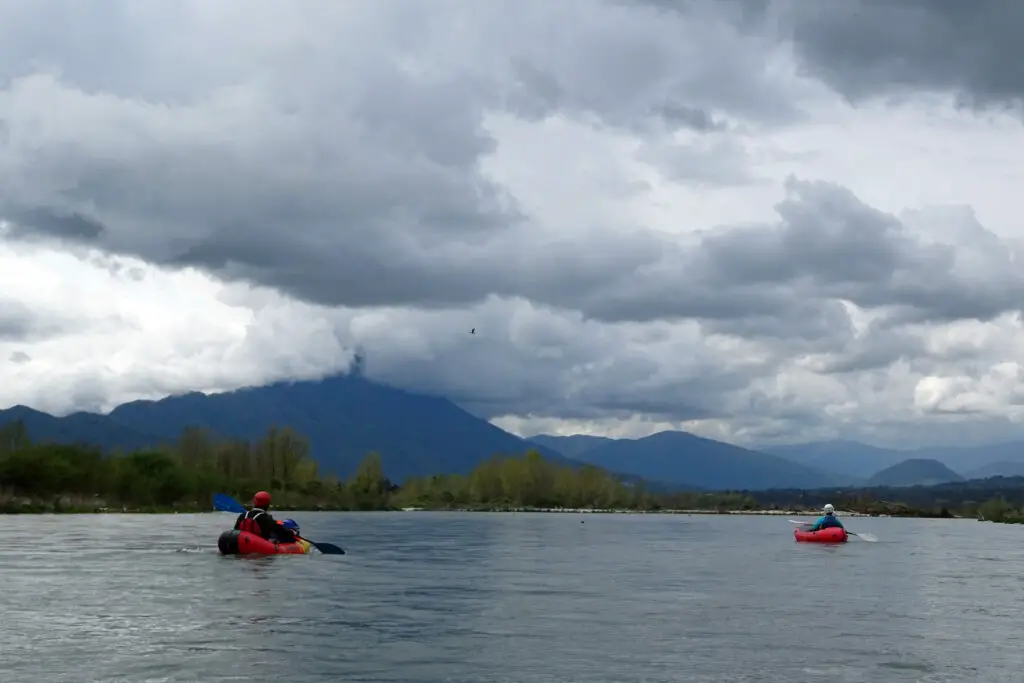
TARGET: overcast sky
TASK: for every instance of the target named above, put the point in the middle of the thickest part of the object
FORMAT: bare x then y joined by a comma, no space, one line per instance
757,221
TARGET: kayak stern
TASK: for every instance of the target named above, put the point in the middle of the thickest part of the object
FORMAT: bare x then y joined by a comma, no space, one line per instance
235,542
829,535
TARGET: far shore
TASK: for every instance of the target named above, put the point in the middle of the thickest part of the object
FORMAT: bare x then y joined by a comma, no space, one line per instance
36,507
613,511
597,511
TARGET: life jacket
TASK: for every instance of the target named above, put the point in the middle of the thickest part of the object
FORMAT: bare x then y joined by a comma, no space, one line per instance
250,524
828,522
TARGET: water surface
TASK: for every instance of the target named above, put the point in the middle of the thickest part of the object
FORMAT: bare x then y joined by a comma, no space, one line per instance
524,598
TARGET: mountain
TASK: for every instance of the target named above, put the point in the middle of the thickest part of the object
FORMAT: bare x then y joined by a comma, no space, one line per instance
862,460
686,459
344,417
856,460
571,446
964,458
87,428
1000,468
915,472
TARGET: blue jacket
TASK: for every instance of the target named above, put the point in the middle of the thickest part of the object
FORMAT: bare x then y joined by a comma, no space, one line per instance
825,522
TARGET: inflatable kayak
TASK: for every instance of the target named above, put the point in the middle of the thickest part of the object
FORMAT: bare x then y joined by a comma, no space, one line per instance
234,542
830,535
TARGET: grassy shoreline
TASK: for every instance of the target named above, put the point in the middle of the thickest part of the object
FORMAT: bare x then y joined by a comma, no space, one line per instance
65,506
814,514
179,477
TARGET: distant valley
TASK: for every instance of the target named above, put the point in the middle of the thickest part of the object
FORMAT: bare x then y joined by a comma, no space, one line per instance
862,461
681,457
346,416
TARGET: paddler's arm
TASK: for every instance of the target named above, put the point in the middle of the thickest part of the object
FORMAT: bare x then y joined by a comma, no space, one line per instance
272,528
284,534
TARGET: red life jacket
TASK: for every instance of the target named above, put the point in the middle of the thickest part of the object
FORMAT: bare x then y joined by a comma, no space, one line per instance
250,524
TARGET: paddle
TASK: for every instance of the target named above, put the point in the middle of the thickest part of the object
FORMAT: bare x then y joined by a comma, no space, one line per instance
225,503
864,536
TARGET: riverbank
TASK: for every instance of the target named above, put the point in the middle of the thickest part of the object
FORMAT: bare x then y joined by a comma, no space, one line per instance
67,505
96,505
83,505
627,511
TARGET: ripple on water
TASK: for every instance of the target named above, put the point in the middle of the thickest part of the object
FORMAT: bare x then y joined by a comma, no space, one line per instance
425,597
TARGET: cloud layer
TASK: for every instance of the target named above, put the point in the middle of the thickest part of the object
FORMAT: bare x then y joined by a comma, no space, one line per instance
738,218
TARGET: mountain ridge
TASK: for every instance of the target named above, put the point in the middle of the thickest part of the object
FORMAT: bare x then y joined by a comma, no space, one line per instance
683,458
915,472
346,416
572,445
343,417
864,460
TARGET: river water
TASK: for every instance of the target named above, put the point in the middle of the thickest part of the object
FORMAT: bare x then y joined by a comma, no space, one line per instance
517,598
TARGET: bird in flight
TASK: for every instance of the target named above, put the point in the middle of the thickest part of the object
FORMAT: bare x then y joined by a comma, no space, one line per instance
473,331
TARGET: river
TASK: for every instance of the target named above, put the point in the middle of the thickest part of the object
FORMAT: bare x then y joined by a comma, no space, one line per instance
511,598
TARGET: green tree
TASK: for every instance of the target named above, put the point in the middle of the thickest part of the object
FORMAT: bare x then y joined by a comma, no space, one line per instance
369,487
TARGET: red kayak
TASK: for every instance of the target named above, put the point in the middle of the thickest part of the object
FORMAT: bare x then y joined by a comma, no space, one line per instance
832,534
234,542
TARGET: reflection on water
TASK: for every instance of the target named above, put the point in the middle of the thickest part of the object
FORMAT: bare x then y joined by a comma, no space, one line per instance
519,598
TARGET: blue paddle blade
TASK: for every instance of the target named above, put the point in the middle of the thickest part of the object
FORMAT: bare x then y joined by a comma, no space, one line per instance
225,503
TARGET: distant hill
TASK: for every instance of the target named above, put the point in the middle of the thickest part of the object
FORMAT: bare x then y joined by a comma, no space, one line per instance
915,472
862,460
965,458
950,495
344,417
687,459
85,428
571,446
1000,468
856,460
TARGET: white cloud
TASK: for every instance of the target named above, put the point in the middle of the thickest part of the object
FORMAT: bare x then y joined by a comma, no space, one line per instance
141,332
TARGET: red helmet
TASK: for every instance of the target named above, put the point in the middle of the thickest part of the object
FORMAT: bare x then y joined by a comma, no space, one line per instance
261,499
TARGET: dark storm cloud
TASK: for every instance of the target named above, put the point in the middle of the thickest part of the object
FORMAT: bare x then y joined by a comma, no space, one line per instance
53,223
496,378
360,186
807,326
876,350
530,360
337,155
787,277
870,47
681,116
20,323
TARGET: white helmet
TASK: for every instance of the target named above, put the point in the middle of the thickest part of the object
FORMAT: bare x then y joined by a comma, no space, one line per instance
829,509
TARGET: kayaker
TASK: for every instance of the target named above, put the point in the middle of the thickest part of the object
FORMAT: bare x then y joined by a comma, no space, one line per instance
827,520
257,520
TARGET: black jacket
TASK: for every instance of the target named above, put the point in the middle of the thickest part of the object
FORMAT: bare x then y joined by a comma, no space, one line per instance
268,525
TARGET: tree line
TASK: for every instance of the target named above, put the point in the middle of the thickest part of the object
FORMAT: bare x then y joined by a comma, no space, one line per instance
180,475
532,481
184,473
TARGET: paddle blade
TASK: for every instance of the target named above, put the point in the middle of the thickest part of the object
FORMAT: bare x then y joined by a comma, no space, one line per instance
329,549
225,503
797,521
864,536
